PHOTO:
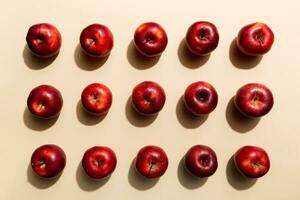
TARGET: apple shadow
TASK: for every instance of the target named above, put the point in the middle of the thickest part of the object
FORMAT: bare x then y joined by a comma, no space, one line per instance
236,179
86,118
40,182
188,180
188,59
135,118
187,119
35,123
138,181
139,61
237,121
87,183
86,62
34,62
240,60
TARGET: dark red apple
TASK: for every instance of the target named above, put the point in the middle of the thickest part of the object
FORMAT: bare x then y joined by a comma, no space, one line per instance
254,100
96,40
43,40
96,98
99,162
48,160
148,98
255,39
201,161
252,161
202,38
45,101
151,161
200,98
150,39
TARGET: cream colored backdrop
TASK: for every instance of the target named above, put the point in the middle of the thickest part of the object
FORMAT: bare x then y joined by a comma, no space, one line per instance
173,129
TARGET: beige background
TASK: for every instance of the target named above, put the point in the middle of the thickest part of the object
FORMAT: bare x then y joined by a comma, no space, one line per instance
173,129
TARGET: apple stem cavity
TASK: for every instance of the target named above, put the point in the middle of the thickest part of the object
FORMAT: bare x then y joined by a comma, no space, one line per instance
152,162
256,164
256,98
39,40
259,37
95,97
41,106
202,96
202,34
41,164
147,101
149,38
98,162
204,160
91,41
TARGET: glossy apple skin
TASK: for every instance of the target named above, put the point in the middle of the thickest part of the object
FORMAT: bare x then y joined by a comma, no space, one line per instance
96,98
48,161
45,101
44,40
255,39
148,98
200,98
202,38
254,100
99,162
150,39
252,161
151,161
201,161
96,40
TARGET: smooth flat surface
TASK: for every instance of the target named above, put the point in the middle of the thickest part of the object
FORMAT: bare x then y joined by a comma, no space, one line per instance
173,129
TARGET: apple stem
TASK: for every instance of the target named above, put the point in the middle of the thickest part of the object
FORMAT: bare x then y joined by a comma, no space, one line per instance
152,163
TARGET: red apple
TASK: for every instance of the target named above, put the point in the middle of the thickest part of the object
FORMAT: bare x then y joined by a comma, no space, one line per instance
254,100
255,39
96,40
43,40
96,98
200,98
148,98
150,39
45,101
99,162
48,160
151,161
252,161
201,161
202,38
